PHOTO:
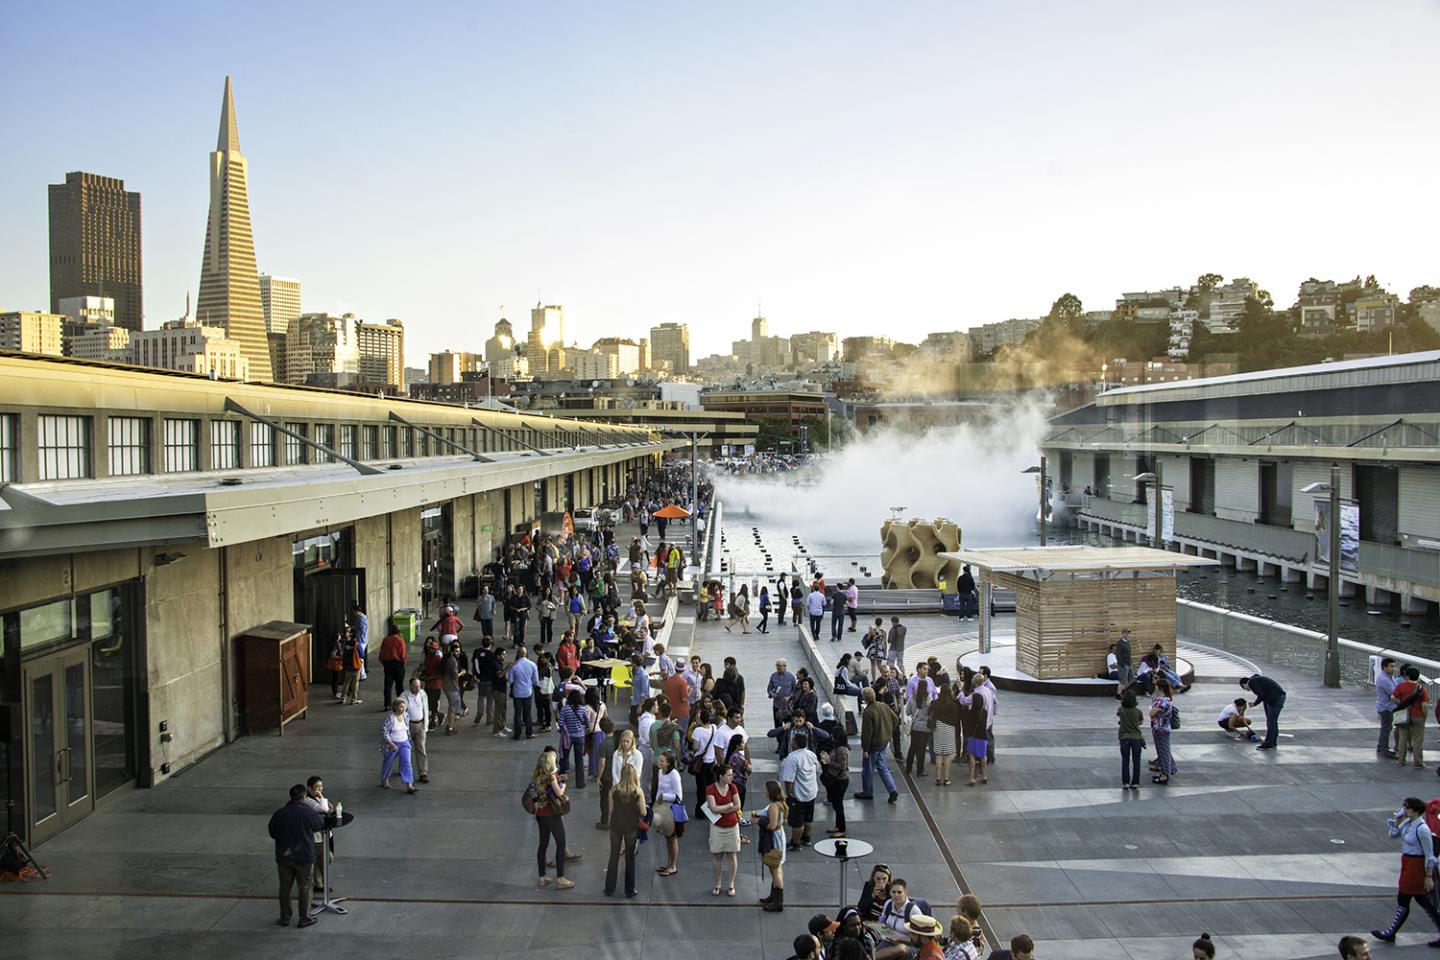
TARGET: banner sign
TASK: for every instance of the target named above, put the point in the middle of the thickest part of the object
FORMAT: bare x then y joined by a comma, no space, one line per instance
1349,534
1167,517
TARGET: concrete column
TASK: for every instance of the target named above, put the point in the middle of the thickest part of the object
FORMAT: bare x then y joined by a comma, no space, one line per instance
1245,563
1378,596
1291,574
1412,605
1316,581
1349,588
1267,569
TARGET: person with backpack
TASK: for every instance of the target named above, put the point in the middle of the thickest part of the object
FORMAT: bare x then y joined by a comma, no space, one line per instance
1162,721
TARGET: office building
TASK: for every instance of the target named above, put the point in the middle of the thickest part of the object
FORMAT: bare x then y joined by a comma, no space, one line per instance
280,299
817,346
319,343
108,344
670,344
592,365
229,296
500,353
382,353
95,245
192,348
32,331
627,354
448,367
545,345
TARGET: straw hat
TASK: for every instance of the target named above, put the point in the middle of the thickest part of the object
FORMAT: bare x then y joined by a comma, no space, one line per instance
923,926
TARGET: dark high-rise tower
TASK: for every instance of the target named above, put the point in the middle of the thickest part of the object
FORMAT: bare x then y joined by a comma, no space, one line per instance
229,283
95,244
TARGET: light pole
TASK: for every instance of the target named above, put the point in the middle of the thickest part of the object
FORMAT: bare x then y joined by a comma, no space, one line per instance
1158,539
1043,504
1332,644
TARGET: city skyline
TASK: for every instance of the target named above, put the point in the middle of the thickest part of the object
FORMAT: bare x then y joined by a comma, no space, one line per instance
905,176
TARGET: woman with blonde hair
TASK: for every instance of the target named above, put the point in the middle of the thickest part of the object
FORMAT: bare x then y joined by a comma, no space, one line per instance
546,797
395,732
626,755
627,809
772,843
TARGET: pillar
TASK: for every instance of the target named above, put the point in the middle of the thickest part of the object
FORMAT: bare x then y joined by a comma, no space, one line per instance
1244,563
1291,574
1412,605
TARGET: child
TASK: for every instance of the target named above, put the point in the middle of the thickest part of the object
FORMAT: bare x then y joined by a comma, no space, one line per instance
1234,722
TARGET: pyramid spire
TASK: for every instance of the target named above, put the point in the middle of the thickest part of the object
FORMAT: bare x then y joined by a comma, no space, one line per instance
229,139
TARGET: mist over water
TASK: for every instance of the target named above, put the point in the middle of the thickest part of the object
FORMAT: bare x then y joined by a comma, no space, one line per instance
970,474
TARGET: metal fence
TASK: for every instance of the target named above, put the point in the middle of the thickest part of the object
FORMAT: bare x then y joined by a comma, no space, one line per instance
1283,644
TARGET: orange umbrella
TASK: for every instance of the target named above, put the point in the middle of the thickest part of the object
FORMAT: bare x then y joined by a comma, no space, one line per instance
671,512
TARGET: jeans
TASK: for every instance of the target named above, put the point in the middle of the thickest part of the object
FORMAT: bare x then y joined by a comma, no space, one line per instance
1412,737
1387,720
1130,760
387,766
815,620
542,709
764,626
547,629
1272,720
551,826
577,751
837,623
597,740
487,627
875,760
1162,753
497,709
394,674
295,874
518,629
523,706
619,841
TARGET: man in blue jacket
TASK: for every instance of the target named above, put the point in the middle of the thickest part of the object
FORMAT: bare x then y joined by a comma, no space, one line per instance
1272,696
293,828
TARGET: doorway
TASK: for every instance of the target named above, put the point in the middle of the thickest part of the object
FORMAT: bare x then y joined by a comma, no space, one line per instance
326,601
437,555
59,736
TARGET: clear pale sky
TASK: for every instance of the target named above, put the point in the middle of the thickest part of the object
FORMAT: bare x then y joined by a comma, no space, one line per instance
865,168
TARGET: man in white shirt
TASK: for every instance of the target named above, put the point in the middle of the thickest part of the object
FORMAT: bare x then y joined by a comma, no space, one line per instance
643,723
417,712
694,679
800,776
727,728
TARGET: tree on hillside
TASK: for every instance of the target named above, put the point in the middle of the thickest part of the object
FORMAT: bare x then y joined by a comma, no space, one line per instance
1208,281
1263,338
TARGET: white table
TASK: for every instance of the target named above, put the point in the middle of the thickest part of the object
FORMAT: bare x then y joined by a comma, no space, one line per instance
843,850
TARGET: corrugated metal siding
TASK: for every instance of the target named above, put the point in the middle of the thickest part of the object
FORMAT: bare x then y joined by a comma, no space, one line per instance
1304,473
1237,489
1122,477
1420,501
1175,472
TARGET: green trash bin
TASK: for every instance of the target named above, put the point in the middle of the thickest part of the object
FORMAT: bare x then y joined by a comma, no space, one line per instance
407,622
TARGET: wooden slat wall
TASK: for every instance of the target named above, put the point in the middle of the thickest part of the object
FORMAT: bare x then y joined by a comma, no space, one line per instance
1063,627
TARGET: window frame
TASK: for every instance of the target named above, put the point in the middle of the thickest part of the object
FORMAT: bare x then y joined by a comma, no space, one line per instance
79,464
131,456
225,450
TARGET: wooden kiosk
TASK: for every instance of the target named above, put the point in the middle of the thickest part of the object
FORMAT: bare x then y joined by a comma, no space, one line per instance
1071,602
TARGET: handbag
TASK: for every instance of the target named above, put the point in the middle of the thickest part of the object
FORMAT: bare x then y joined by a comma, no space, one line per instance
697,761
678,814
560,803
663,820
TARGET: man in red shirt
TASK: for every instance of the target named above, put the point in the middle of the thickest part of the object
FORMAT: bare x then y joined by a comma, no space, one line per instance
677,691
392,661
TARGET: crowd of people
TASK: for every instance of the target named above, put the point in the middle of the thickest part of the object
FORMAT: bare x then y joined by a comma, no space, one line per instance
684,729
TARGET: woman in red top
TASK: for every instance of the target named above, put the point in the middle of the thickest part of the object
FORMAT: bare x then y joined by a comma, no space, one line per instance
722,797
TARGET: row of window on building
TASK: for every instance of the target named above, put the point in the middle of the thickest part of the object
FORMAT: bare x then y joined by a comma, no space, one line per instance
65,444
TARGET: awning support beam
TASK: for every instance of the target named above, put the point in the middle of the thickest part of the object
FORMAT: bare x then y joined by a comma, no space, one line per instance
364,469
479,458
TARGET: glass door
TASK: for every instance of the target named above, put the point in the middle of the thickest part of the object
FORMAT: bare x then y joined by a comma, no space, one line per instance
58,737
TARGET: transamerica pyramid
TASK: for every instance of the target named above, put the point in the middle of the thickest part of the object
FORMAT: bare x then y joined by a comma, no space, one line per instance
229,283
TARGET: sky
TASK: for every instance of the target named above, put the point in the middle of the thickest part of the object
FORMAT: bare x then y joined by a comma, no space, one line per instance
891,169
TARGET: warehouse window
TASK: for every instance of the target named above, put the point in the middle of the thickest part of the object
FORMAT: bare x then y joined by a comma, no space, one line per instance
295,446
325,437
262,445
129,446
182,445
347,440
9,448
64,447
224,444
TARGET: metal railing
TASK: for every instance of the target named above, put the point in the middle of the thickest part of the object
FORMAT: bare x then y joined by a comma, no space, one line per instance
1282,643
